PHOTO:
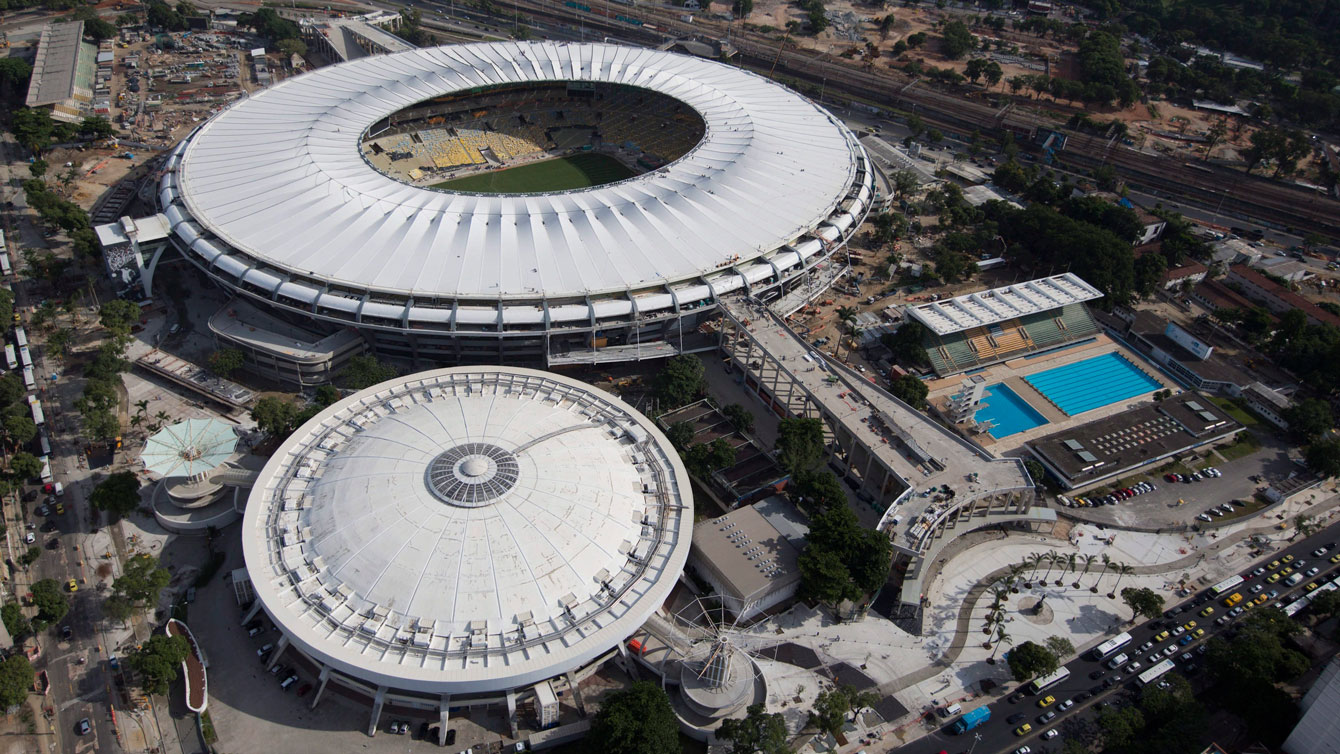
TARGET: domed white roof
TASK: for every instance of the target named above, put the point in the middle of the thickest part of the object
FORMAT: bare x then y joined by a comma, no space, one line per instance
468,530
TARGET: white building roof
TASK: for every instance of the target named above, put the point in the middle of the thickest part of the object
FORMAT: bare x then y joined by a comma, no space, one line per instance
468,530
279,177
1002,304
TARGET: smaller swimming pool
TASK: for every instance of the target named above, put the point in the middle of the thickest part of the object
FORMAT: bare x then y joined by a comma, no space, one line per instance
1009,413
1093,383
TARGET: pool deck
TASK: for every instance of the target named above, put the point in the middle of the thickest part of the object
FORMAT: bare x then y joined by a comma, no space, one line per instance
1012,374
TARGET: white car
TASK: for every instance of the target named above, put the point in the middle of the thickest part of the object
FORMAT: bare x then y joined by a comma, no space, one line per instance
1049,734
1067,704
29,538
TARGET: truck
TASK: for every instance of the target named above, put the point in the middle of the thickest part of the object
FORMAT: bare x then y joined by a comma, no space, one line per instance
971,719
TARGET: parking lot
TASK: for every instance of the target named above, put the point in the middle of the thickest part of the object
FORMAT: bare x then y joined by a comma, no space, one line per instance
1175,504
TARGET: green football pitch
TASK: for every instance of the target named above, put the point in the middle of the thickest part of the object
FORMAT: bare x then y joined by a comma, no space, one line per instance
561,174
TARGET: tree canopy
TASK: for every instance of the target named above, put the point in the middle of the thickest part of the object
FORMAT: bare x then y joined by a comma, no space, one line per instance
364,371
842,560
118,494
1143,602
638,720
158,660
758,733
800,444
51,602
679,382
1030,660
16,680
141,580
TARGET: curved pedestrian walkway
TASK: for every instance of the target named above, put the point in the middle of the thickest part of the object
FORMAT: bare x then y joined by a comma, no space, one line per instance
964,618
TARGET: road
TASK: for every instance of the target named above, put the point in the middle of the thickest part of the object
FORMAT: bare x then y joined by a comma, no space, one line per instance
1087,675
78,690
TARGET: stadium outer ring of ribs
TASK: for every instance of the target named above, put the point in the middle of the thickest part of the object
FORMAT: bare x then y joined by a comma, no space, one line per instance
273,198
367,553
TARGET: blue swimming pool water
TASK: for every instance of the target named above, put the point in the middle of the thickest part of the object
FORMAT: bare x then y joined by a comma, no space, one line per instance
1010,413
1093,383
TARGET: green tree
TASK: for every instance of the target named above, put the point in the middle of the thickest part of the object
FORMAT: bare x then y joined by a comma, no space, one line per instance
363,372
14,75
638,720
1149,269
157,661
742,8
118,494
911,390
37,168
829,712
16,623
118,316
99,29
1309,418
800,444
225,361
1323,457
906,343
739,417
51,602
16,680
118,608
1036,471
824,577
19,429
1060,646
680,435
679,382
1143,602
1030,660
816,490
276,417
141,580
291,47
758,733
25,465
32,128
957,40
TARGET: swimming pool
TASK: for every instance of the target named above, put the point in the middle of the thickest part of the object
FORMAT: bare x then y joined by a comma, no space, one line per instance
1009,413
1093,383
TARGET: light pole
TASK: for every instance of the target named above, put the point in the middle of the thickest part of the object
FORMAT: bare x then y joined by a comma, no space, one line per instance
976,739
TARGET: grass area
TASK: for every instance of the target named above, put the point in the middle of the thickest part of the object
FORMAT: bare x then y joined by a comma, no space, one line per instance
560,174
1253,504
1236,410
1245,445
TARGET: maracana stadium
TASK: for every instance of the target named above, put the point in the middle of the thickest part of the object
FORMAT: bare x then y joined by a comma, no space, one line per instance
526,203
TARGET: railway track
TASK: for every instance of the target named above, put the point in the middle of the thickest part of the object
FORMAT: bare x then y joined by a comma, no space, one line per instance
1232,192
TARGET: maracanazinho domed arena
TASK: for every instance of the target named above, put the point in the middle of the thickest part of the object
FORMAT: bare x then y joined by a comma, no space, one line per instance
539,203
462,536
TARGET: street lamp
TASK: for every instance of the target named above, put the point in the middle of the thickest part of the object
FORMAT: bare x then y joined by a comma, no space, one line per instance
976,739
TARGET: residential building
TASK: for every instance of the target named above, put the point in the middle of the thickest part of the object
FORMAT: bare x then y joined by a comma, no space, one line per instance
1275,297
1269,403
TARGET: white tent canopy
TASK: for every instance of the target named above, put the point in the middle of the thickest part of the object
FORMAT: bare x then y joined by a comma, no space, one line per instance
189,448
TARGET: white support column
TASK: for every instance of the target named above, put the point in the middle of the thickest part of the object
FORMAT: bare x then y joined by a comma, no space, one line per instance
443,717
377,702
251,613
321,689
279,650
511,712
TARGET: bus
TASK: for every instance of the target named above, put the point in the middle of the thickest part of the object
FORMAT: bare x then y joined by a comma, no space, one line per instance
11,357
1151,675
45,442
29,380
1226,585
25,357
35,405
1293,607
21,337
1047,681
1102,651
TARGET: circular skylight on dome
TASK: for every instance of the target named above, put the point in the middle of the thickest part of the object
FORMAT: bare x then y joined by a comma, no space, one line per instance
473,474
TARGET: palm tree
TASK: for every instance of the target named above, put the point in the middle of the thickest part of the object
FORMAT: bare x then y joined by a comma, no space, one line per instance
1052,559
141,407
1122,570
1033,560
1088,562
1069,560
1107,564
162,416
1002,594
1012,581
1001,638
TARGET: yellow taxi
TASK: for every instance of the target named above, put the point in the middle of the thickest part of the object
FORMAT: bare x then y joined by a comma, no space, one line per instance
1208,611
1287,559
1286,571
1198,633
1046,701
1335,558
1311,585
1189,625
1161,636
1272,578
1233,599
1023,730
1273,565
71,586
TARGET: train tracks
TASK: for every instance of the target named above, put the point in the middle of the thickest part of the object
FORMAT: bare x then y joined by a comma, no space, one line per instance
1231,192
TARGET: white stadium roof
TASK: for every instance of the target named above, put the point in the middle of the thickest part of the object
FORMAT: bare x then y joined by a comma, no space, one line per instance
1004,303
279,177
468,530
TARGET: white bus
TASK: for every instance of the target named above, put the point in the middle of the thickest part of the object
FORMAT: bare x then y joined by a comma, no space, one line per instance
35,405
5,269
1101,651
11,357
29,381
46,469
1047,681
25,357
20,337
45,442
1227,585
1151,675
1293,607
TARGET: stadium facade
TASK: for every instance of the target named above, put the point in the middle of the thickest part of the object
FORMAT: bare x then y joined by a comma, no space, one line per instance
466,536
278,199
